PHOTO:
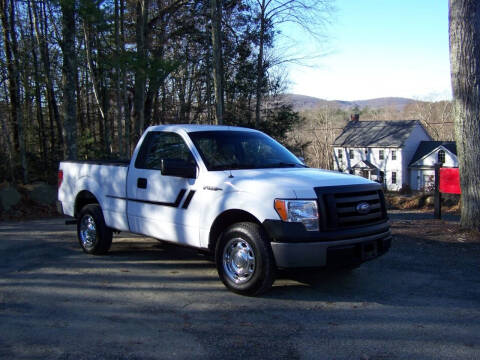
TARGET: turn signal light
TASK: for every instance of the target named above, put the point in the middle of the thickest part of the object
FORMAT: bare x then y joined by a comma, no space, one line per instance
281,208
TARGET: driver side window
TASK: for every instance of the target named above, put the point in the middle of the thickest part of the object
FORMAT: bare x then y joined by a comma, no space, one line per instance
159,145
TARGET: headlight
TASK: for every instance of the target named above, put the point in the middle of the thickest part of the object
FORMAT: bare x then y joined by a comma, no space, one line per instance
304,211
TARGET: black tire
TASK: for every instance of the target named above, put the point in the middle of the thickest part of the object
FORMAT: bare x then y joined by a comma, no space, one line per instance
93,234
249,245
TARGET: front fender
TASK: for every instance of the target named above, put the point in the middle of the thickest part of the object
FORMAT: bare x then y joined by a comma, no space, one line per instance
258,207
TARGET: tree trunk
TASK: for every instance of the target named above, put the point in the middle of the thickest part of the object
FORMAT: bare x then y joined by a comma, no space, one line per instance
11,52
464,31
38,96
209,96
260,75
163,112
69,73
8,146
54,116
50,91
149,104
119,108
216,15
125,97
140,71
108,126
12,84
92,73
156,107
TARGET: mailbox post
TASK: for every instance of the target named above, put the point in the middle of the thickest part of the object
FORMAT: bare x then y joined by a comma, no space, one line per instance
438,195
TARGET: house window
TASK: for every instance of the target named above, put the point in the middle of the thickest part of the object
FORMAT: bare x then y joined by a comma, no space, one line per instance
381,154
394,155
394,177
340,154
441,156
351,154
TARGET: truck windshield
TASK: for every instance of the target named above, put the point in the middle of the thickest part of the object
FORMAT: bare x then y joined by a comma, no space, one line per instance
231,150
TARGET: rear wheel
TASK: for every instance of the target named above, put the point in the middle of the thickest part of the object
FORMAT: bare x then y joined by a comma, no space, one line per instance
93,234
245,260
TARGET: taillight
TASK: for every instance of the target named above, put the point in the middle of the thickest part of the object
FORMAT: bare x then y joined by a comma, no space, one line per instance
60,178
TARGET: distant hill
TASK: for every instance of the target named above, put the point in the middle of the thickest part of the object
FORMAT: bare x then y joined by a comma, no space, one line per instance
303,102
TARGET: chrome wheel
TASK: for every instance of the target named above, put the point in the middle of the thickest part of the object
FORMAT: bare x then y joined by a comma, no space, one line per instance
88,232
238,261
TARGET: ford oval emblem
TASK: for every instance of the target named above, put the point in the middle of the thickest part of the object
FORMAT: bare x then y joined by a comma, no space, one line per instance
363,208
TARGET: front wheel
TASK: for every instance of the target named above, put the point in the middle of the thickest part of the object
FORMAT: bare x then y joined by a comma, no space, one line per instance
245,260
94,236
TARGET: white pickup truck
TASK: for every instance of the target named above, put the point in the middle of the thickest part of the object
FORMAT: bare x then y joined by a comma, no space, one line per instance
235,192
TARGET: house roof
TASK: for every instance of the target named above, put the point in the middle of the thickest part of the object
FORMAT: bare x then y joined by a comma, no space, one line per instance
426,147
376,133
365,165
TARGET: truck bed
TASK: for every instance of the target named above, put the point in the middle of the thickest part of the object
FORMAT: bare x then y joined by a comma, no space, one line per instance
106,180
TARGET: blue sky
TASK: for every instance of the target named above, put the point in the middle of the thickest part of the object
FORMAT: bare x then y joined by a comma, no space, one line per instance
378,48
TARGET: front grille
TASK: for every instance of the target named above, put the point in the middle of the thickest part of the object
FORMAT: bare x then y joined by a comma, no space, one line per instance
338,206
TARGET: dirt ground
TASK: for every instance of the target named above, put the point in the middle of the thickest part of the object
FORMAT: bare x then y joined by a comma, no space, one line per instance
150,300
421,223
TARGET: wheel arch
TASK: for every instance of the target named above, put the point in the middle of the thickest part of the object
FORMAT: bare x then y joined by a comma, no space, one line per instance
83,198
224,220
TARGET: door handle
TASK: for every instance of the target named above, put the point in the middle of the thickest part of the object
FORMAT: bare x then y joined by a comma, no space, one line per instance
142,183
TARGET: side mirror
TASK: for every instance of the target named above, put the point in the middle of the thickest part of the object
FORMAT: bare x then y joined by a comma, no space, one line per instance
178,168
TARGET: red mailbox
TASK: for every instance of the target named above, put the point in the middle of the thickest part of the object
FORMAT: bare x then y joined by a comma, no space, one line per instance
449,181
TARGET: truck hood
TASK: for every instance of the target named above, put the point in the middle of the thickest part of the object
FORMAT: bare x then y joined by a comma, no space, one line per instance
288,182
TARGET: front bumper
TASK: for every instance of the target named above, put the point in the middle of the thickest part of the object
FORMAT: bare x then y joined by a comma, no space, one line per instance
294,248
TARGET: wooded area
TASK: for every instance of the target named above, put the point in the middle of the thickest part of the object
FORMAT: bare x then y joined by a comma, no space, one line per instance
83,78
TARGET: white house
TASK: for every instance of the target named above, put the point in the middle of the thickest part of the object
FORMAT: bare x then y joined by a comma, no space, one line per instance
379,150
422,165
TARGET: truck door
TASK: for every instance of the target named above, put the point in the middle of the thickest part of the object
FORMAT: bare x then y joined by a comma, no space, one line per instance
157,204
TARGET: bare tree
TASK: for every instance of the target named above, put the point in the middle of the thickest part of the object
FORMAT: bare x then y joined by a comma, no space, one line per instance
69,73
218,75
310,15
120,106
40,22
7,146
142,9
322,134
38,96
464,16
7,14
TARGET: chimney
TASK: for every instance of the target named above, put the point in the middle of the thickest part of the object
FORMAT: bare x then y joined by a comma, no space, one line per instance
355,117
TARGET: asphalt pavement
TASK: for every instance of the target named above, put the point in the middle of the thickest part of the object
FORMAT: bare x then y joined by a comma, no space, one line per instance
150,300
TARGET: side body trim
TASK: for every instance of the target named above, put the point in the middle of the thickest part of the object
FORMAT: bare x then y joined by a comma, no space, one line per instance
159,203
188,199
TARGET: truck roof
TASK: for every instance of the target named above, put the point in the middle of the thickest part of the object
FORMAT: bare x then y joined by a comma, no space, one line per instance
195,127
